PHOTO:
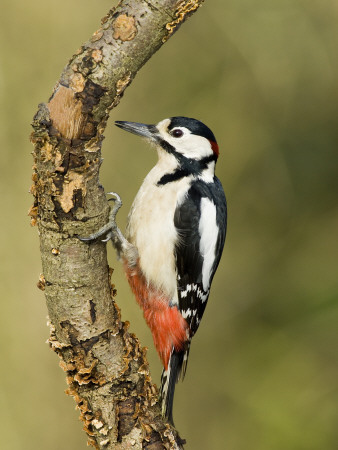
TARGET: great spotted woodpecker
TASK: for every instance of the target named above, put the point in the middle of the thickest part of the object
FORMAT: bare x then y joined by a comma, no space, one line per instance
174,239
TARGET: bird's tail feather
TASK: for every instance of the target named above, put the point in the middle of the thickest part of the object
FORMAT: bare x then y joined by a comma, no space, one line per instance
176,369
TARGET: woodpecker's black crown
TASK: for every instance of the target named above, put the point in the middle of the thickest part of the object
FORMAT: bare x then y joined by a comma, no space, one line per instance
193,125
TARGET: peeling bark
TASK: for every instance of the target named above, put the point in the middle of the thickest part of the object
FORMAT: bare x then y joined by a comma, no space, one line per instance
107,371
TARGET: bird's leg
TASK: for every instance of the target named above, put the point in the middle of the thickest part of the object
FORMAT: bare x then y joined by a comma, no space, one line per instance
110,230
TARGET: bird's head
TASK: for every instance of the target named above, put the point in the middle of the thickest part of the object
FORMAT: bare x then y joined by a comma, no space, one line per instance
183,137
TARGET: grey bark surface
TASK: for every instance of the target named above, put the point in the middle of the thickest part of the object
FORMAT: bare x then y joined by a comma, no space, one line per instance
107,371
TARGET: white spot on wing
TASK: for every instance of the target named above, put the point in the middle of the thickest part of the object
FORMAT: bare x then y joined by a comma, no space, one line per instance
208,231
187,313
203,296
189,288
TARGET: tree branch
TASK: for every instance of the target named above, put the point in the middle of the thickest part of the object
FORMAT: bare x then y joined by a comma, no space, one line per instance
107,370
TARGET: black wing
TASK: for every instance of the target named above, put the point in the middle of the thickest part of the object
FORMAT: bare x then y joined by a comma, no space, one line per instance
192,296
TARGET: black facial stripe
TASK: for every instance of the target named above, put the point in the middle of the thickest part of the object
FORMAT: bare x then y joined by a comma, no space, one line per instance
174,176
208,159
188,166
183,160
167,147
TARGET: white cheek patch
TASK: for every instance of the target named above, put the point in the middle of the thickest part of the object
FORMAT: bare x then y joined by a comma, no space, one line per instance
190,145
193,146
208,231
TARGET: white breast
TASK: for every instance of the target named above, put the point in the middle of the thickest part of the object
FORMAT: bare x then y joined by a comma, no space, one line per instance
151,225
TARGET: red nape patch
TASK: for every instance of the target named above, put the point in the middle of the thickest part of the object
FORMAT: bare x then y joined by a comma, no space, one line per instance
214,147
166,323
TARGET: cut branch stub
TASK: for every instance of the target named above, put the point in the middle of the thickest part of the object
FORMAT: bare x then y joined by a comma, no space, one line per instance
106,368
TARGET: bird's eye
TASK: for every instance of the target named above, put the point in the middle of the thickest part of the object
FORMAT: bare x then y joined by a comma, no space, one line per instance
176,132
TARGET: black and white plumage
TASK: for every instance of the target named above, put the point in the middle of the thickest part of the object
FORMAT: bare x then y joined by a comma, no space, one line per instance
201,227
175,237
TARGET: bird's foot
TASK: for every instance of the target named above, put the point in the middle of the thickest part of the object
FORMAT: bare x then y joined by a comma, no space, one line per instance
109,231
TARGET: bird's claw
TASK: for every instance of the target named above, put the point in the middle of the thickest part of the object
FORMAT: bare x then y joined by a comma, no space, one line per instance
108,230
118,203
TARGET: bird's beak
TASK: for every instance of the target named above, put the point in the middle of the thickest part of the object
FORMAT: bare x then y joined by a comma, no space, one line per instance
141,129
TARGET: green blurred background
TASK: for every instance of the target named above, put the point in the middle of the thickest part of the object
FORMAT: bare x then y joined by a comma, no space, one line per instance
263,75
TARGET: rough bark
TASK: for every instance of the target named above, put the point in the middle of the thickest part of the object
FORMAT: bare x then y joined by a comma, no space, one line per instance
107,371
